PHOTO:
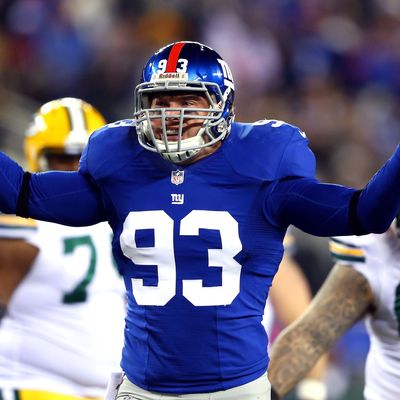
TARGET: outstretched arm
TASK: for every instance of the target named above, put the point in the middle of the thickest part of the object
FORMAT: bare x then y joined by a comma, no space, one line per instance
342,300
323,209
67,198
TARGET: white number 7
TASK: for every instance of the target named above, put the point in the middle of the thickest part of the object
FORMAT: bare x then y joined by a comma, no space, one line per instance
162,254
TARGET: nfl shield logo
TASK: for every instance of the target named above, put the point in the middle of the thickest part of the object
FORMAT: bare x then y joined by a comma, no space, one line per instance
177,177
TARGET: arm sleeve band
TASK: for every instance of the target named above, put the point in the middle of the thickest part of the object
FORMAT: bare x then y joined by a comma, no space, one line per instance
23,197
354,221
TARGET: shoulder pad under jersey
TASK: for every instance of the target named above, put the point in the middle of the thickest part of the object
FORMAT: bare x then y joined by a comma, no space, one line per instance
269,150
109,149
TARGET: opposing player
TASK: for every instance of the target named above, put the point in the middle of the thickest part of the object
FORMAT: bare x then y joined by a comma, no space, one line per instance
199,206
62,333
365,281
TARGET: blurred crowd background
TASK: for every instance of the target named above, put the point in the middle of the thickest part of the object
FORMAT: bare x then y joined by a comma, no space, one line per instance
328,66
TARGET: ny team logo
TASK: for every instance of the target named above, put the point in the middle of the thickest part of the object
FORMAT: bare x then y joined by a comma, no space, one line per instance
177,177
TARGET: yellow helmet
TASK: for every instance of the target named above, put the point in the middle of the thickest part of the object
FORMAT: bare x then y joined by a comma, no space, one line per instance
60,126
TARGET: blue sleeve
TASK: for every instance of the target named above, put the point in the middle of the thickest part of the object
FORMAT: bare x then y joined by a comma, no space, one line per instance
317,208
379,201
332,210
67,198
11,175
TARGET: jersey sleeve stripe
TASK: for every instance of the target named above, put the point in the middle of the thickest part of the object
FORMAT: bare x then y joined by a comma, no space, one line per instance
340,242
340,257
13,222
341,251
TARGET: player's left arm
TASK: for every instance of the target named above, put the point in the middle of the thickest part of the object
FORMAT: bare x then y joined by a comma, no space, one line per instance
343,299
333,210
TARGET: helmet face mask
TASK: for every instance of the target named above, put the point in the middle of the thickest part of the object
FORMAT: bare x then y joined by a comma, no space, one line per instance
199,71
60,127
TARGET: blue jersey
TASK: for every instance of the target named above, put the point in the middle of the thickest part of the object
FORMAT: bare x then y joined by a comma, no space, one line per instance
199,245
197,249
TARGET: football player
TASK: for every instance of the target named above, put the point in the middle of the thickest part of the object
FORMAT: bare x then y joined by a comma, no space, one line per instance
199,206
365,282
62,332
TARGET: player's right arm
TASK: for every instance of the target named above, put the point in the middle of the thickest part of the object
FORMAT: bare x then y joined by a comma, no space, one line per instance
342,300
67,198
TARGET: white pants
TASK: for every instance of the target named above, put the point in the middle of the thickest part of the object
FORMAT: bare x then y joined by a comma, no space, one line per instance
259,389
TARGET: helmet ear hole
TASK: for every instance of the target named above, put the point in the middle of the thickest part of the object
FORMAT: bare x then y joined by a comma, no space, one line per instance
192,68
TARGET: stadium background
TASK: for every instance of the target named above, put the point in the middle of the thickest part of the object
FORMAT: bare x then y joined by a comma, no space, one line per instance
330,67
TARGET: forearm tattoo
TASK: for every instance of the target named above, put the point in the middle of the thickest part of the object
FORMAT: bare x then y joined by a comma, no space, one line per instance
341,301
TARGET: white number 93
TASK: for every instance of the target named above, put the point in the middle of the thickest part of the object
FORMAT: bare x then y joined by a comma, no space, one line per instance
162,254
